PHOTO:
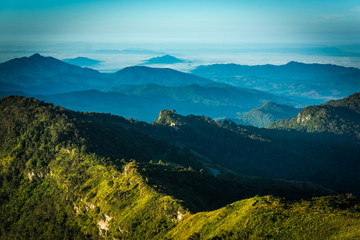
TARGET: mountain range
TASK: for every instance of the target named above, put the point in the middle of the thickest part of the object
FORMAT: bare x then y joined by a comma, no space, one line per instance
317,157
139,92
303,83
309,83
47,75
74,175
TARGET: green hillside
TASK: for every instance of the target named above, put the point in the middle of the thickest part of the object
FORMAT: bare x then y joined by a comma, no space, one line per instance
273,218
266,113
71,175
341,117
52,186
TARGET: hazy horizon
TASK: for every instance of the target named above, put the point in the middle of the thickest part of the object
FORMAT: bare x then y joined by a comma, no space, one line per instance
204,32
117,56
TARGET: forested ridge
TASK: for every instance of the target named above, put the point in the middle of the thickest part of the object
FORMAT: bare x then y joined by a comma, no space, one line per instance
71,175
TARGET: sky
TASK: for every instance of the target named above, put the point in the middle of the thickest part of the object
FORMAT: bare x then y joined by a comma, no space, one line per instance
225,22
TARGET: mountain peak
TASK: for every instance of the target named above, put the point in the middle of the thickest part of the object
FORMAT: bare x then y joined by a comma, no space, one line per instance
267,104
273,106
167,117
36,55
294,63
166,59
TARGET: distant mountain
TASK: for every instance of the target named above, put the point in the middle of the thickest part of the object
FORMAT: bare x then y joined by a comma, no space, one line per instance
166,59
310,83
144,102
162,76
340,117
38,74
46,75
82,61
266,113
293,70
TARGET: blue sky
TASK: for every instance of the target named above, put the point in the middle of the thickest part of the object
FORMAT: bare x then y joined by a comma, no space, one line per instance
224,22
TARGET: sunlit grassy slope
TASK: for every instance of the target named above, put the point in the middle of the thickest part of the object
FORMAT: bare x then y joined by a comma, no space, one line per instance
272,218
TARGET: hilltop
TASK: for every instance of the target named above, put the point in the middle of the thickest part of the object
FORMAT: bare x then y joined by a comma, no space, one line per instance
166,59
341,117
264,114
